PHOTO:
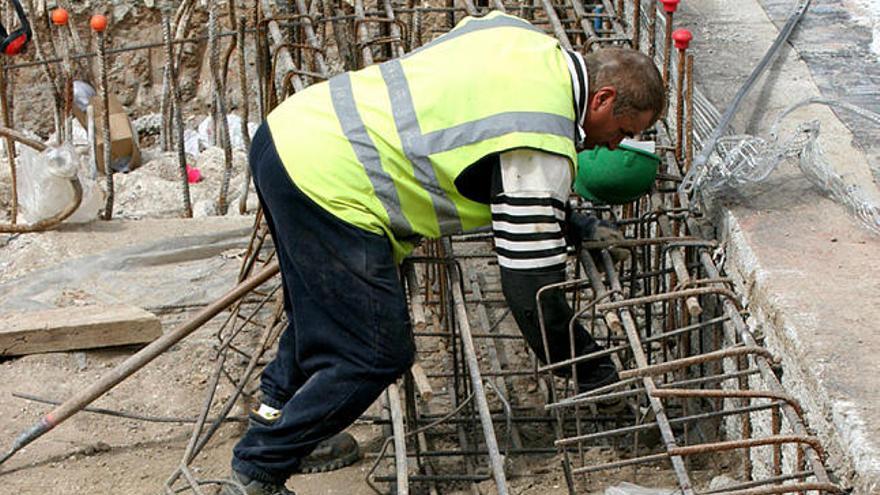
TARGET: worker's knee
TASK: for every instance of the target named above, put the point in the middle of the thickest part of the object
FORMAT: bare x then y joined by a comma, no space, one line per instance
396,349
407,357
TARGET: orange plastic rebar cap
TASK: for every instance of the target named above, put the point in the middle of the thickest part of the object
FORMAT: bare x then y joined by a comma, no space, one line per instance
98,23
60,17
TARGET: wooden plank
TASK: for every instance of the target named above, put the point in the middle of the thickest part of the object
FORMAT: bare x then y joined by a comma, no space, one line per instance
422,384
77,327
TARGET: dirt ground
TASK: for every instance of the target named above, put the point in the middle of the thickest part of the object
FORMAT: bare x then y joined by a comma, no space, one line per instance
92,453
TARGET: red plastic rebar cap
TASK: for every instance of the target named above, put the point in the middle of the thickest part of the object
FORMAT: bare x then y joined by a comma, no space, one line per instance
59,17
682,38
98,23
670,5
193,175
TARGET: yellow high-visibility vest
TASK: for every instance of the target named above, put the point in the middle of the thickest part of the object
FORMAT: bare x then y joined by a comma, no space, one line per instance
381,148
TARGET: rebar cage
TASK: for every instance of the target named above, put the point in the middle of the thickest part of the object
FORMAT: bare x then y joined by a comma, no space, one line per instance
698,395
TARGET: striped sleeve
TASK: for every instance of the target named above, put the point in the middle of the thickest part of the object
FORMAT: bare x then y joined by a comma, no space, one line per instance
528,209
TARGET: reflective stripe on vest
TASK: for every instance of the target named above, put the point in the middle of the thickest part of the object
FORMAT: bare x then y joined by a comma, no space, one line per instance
404,113
417,146
383,148
356,133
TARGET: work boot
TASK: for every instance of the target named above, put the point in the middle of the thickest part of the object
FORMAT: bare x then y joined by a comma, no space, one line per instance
253,487
336,452
602,373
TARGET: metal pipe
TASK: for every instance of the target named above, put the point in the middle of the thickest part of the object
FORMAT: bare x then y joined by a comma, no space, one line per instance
400,462
703,158
473,366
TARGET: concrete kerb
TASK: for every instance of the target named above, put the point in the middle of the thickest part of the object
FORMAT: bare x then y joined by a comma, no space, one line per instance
803,262
841,422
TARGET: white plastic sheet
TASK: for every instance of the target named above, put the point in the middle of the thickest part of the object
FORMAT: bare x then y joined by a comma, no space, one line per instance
44,188
627,488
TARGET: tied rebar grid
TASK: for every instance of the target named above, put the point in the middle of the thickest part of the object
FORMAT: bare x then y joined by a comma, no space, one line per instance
692,374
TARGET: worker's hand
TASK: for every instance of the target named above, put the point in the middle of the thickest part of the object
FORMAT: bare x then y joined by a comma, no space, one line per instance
583,228
608,232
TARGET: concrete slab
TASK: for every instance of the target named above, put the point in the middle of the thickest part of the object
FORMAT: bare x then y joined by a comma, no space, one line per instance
810,271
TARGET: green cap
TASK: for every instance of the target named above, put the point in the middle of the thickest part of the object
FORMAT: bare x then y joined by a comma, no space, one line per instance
616,176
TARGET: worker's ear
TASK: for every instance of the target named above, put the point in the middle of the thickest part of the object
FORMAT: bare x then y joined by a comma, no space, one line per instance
603,99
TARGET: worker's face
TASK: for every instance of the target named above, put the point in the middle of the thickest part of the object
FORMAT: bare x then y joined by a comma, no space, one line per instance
603,127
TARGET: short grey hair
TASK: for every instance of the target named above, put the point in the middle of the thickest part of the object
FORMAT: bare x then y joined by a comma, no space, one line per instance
638,82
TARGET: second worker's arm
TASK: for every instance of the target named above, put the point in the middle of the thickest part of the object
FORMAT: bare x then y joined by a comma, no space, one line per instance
528,198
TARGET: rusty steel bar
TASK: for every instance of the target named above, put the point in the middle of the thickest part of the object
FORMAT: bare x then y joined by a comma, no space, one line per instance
643,241
752,484
700,291
601,394
689,115
667,46
745,444
679,102
763,364
665,367
760,394
10,142
245,111
621,348
637,24
714,447
775,429
647,426
177,117
496,462
18,136
796,487
221,124
631,330
107,214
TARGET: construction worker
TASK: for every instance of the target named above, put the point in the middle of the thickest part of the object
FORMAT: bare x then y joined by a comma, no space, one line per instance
479,127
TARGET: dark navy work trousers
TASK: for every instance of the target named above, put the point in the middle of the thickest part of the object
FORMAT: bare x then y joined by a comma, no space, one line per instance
348,335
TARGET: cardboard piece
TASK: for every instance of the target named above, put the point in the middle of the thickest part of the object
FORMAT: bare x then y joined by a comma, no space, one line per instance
123,138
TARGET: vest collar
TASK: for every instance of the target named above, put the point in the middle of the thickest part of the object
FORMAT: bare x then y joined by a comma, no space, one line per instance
580,86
